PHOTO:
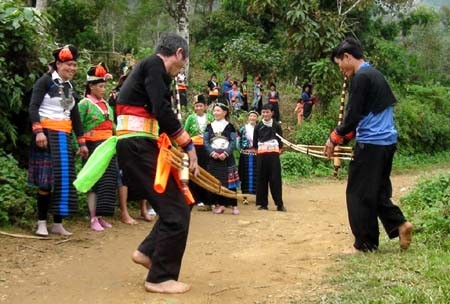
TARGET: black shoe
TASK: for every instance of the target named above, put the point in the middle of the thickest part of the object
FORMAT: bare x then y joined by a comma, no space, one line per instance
281,208
263,208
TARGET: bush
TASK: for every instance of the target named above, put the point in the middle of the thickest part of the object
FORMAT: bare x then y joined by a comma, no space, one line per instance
23,37
295,164
428,207
314,132
422,120
17,202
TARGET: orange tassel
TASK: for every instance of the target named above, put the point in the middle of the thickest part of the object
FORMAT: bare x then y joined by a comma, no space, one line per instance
164,168
100,71
163,165
65,54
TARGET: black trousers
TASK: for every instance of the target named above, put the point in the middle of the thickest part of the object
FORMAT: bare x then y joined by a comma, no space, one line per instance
276,111
307,109
183,98
369,192
268,166
200,194
166,243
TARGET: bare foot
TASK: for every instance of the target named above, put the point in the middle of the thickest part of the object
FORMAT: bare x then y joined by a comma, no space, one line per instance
147,217
405,234
170,286
127,219
141,259
351,250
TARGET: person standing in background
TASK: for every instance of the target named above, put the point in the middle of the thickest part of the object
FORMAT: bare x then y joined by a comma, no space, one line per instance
53,114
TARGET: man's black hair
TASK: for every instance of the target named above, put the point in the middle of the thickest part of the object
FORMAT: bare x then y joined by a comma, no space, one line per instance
169,43
267,106
348,45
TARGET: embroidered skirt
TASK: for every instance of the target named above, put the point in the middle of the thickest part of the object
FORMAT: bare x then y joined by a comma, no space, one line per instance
247,172
106,187
225,171
54,169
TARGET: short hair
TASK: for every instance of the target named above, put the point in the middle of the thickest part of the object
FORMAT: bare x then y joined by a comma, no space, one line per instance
169,43
267,106
348,45
307,85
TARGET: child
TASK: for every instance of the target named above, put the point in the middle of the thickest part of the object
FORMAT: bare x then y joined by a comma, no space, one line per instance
247,159
195,125
268,163
220,141
273,97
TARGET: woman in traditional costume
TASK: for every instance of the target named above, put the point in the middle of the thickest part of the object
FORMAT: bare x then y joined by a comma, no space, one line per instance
220,142
97,118
247,159
195,125
213,89
53,113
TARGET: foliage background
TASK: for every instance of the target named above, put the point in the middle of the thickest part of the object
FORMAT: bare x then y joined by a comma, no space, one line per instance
287,42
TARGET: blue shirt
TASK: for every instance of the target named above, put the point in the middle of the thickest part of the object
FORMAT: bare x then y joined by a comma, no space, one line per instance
377,129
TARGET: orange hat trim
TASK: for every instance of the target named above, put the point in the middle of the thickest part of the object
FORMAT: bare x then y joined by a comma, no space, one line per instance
65,54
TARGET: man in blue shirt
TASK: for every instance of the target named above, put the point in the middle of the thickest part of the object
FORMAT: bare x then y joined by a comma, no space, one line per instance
369,116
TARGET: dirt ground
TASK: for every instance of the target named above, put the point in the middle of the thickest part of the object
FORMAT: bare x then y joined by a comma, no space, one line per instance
255,257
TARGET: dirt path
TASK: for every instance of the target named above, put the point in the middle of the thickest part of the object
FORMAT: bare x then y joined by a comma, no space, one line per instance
256,257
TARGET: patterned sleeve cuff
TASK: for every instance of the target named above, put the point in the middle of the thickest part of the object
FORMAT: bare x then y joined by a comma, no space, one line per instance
336,139
189,147
37,128
182,138
81,141
349,136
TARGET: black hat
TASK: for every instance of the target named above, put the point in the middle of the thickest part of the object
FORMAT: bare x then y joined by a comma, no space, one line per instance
200,98
66,53
98,73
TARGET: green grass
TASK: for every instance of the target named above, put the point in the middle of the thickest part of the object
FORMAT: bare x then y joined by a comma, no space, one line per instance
415,162
419,275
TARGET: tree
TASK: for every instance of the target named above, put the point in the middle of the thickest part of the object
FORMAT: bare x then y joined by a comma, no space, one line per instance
21,63
180,12
41,5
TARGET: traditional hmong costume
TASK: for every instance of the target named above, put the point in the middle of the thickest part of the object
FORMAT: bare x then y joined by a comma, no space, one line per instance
247,159
53,111
268,163
182,88
273,98
97,118
370,111
143,111
195,125
220,137
213,90
243,89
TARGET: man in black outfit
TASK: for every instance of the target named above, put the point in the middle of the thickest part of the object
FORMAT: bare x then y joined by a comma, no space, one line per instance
268,164
369,116
144,111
